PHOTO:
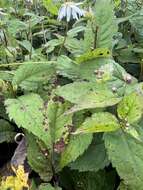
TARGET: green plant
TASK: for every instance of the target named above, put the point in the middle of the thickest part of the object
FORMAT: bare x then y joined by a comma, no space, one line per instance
65,86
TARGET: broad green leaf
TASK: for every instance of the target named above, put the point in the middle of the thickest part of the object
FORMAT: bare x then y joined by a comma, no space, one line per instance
99,122
131,108
38,161
89,35
125,153
56,122
76,147
67,67
6,131
26,112
93,159
73,91
33,72
98,99
88,95
45,121
15,25
105,22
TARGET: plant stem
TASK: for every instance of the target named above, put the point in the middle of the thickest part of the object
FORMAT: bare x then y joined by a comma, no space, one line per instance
95,38
65,37
17,64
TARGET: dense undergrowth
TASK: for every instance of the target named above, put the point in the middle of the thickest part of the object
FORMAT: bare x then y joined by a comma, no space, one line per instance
71,95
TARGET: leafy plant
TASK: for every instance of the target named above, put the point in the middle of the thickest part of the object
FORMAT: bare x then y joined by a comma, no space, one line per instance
71,87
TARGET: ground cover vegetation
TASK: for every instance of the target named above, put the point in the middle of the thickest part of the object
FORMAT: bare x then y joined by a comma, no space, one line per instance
71,95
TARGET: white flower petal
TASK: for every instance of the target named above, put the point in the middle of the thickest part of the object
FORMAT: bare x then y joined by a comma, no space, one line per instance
69,12
74,15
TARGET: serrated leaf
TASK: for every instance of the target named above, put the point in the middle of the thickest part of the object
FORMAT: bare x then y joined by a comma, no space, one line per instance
37,160
33,73
125,153
73,91
76,147
93,159
68,68
97,99
96,123
131,108
106,25
26,112
88,95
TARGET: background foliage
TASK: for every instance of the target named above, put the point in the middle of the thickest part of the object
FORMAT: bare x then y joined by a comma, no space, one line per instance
71,94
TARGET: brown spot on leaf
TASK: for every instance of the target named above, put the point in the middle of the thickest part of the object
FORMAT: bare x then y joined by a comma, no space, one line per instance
59,146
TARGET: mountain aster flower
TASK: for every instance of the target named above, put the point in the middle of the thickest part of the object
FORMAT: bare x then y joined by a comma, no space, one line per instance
70,10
